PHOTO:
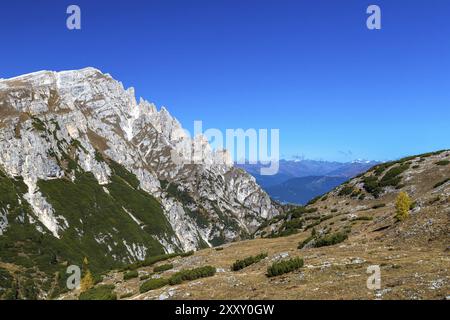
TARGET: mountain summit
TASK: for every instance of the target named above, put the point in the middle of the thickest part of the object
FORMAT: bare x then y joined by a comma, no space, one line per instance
86,166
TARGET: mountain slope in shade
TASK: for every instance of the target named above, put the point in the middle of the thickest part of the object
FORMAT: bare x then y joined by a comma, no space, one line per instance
88,171
301,190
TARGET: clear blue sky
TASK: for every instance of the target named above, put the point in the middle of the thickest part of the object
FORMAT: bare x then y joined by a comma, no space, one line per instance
336,90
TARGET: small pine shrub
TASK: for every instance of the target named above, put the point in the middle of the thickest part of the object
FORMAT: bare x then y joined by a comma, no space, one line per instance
441,183
325,240
392,177
346,190
130,275
102,292
364,218
192,274
186,254
163,267
241,264
378,205
152,260
332,239
153,284
371,186
282,267
327,217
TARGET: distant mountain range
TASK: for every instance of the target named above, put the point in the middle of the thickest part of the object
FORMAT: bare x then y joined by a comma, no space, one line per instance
299,181
301,190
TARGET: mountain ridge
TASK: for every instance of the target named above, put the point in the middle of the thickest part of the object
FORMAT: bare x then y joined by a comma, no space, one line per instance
99,172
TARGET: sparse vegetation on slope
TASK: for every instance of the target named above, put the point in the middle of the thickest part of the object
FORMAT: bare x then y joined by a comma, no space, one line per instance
153,284
102,292
241,264
282,267
163,267
192,274
130,275
440,183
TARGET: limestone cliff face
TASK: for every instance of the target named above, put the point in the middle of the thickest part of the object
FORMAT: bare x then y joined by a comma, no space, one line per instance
54,126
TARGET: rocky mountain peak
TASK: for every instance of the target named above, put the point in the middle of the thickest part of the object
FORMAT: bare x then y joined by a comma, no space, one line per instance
61,126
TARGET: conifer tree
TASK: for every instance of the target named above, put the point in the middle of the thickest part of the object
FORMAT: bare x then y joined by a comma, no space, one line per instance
402,206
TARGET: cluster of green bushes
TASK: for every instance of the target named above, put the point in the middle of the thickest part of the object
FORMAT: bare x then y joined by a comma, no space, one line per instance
153,284
346,190
287,228
364,218
102,292
145,276
192,274
186,254
331,239
130,275
38,124
282,267
318,220
178,278
300,212
241,264
152,260
327,217
163,267
372,186
325,240
391,178
8,286
443,162
293,220
312,225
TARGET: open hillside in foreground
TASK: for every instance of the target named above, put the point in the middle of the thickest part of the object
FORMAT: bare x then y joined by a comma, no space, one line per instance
338,236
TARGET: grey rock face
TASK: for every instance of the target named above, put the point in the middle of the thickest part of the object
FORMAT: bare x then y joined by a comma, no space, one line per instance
205,203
